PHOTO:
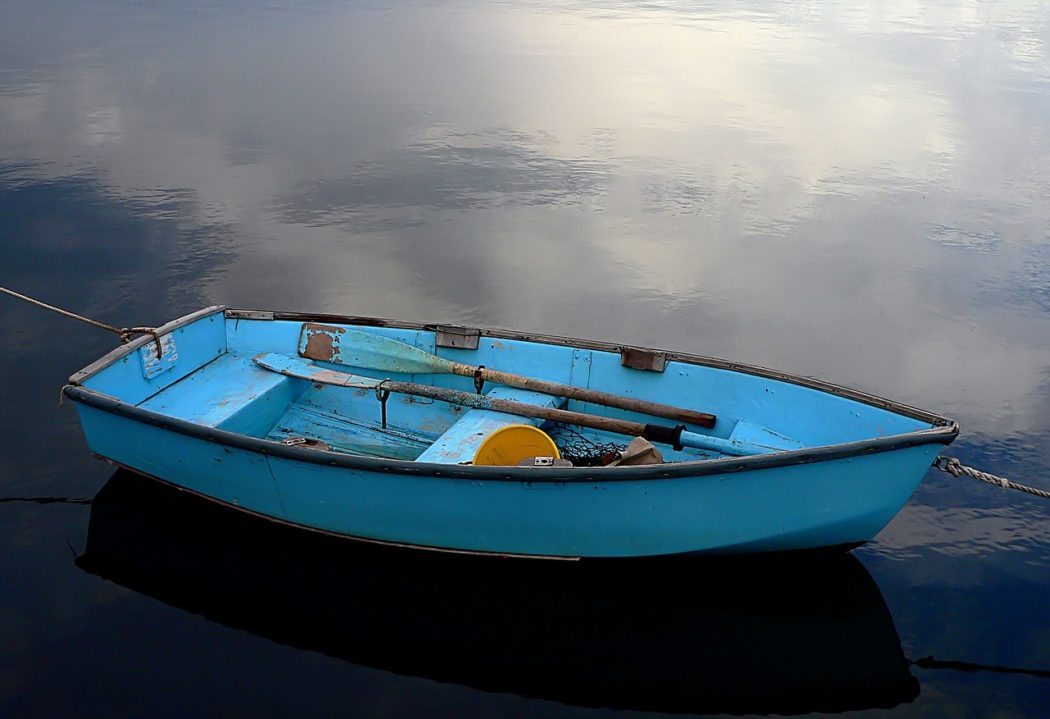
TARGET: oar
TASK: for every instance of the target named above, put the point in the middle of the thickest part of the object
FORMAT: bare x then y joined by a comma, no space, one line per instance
676,436
356,348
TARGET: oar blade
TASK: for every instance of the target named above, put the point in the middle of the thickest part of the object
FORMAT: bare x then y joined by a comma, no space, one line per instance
357,348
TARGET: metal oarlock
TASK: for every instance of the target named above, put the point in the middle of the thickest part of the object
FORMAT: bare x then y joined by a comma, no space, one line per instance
383,394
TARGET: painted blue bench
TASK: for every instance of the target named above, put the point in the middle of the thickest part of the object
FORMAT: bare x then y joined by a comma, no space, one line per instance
230,393
460,442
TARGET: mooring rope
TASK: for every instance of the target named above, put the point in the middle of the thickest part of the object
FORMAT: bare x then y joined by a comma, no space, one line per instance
954,467
125,333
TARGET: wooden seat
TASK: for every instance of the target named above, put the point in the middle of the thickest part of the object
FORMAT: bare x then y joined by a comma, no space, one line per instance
231,393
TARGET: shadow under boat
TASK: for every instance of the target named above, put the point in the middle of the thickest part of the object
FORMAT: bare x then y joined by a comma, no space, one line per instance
780,635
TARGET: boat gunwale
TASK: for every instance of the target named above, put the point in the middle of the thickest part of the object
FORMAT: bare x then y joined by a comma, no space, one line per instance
944,430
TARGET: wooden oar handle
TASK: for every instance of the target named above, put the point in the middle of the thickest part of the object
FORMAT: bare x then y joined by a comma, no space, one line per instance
355,348
582,394
652,432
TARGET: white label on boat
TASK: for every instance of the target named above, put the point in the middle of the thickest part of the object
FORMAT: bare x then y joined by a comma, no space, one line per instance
153,365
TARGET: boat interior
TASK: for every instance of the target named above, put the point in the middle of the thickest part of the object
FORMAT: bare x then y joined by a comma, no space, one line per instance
206,369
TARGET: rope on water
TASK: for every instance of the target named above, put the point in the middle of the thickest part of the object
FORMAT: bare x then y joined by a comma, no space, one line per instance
954,467
124,333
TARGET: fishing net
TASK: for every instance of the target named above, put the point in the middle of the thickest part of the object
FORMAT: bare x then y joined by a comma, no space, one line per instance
584,451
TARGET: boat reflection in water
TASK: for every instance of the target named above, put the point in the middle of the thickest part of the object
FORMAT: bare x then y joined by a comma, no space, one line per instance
789,635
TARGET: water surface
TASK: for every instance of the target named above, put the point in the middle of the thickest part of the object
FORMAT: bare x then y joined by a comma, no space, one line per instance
856,191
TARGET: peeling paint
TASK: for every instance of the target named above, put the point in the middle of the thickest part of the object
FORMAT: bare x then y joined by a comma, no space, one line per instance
319,346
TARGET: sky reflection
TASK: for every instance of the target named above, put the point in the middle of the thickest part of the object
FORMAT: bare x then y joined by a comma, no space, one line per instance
778,184
858,191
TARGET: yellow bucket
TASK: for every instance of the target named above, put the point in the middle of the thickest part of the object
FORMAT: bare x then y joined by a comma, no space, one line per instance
509,445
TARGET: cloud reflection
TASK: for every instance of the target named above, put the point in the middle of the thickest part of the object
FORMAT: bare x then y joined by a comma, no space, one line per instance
855,191
797,186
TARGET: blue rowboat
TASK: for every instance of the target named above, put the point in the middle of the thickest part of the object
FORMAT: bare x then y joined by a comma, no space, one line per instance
366,428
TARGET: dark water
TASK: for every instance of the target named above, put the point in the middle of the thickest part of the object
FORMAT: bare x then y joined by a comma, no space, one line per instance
854,191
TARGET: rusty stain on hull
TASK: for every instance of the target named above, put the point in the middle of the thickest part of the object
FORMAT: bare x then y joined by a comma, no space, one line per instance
320,342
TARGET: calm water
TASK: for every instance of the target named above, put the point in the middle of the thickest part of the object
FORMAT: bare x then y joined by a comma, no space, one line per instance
855,191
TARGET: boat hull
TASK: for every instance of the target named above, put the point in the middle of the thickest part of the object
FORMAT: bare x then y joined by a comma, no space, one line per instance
807,505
